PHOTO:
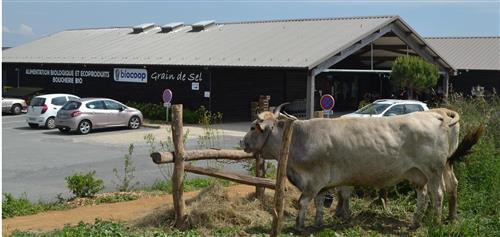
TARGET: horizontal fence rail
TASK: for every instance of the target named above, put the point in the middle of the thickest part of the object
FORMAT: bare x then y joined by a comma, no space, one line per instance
244,179
206,154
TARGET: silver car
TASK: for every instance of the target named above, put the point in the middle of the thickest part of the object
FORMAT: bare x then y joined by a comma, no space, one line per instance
83,115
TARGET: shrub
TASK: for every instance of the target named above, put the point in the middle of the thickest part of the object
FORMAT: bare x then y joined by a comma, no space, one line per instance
84,185
157,112
124,183
21,206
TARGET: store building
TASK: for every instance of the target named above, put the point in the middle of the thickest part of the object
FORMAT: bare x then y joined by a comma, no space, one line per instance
224,66
477,60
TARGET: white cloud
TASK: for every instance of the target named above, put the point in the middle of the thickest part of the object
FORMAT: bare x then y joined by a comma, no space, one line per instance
5,29
25,30
22,30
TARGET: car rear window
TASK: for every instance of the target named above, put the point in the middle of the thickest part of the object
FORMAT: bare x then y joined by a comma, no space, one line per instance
37,101
71,105
59,100
413,108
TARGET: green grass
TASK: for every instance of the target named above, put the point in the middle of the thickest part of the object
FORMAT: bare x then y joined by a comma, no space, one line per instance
189,185
12,206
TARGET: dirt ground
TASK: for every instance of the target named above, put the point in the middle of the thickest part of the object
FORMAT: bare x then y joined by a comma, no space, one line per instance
125,211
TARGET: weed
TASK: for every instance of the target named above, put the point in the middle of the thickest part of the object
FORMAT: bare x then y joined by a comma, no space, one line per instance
84,185
124,182
21,206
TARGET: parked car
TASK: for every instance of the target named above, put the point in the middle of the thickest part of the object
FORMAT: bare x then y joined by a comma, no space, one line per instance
388,107
43,109
13,105
84,115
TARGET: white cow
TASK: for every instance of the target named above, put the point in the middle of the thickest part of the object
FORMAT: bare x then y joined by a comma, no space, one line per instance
376,152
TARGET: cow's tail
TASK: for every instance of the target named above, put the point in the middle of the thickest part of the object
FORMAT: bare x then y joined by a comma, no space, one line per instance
466,144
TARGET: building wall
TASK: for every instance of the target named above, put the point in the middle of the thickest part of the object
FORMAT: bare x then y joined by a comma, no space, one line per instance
465,80
226,90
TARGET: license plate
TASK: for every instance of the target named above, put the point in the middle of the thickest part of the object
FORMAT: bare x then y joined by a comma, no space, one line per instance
32,119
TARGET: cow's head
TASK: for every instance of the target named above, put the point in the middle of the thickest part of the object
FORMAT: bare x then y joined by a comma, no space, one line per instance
267,125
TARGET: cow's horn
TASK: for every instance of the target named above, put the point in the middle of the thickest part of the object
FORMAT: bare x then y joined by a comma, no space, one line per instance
277,110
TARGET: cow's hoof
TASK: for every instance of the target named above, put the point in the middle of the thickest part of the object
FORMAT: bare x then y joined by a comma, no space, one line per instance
318,224
450,219
299,229
414,226
343,215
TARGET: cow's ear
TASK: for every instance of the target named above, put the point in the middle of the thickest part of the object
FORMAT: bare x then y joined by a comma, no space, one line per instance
258,127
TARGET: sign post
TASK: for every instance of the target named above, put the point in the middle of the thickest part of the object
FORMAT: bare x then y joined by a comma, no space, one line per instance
327,102
167,97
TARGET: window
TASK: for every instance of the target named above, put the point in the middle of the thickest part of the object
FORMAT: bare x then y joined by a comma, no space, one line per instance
71,105
373,109
37,101
73,98
98,104
111,105
410,108
395,110
59,100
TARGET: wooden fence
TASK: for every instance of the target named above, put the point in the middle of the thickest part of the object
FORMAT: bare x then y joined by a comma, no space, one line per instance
179,156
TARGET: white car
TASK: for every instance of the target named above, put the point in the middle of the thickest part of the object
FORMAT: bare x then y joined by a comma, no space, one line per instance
43,109
389,107
13,105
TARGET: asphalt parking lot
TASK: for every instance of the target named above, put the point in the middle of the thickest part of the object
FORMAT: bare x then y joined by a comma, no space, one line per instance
36,161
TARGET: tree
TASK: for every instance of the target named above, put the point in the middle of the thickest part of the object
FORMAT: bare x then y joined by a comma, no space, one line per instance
414,74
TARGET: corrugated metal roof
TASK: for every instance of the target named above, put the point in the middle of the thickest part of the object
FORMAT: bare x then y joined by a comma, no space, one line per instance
474,53
299,43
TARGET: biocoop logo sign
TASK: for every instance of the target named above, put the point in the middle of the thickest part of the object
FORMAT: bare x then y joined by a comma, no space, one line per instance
131,75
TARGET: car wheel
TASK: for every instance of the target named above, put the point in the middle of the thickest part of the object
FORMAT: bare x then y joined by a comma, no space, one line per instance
134,122
84,127
33,125
50,123
16,109
64,130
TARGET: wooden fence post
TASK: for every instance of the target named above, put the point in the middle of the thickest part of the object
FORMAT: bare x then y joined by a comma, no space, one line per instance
260,171
178,175
280,178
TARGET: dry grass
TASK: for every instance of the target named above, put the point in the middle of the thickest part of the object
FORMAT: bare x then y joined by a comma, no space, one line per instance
213,208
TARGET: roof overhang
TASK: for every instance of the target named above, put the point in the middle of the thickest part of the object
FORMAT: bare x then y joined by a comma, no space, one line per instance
401,30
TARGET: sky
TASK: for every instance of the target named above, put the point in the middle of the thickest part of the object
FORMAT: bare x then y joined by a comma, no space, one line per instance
27,20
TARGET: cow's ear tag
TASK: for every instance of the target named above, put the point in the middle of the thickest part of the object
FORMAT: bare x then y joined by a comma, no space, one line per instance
258,127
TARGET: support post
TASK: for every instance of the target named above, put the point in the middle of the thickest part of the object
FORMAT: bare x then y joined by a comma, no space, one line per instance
446,85
279,193
178,175
260,171
310,95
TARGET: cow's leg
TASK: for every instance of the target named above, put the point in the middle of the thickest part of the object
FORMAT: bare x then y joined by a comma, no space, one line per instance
451,184
421,205
304,200
435,187
319,202
342,210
